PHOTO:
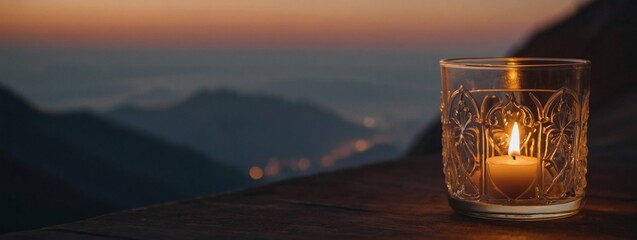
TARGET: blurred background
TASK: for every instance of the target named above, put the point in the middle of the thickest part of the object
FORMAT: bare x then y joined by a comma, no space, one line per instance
108,105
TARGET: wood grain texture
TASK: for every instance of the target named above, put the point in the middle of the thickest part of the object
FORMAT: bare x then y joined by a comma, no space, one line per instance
402,199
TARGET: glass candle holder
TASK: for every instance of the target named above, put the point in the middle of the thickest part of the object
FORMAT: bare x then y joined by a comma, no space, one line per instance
514,136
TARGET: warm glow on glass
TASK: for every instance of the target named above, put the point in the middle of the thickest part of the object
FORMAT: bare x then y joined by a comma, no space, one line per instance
514,142
512,79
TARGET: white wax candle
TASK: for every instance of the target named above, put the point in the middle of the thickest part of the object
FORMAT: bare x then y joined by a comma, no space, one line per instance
512,177
513,174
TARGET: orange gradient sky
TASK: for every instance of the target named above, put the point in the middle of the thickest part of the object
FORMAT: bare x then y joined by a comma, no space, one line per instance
273,24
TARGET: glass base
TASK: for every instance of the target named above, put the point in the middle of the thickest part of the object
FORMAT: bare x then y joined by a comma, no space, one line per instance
516,213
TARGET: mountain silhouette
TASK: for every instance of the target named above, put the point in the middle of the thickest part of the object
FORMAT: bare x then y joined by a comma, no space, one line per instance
31,198
245,130
101,160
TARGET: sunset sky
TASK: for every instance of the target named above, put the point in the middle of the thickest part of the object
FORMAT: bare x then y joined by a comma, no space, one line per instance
274,24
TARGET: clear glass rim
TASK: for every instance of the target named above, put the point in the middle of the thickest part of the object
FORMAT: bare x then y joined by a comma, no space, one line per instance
514,62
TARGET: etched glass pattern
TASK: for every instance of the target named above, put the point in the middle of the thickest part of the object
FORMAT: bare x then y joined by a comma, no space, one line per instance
483,98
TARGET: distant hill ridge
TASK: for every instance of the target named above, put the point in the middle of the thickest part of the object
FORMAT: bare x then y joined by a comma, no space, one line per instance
245,129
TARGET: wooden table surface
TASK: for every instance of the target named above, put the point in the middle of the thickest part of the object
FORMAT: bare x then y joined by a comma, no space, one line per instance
401,199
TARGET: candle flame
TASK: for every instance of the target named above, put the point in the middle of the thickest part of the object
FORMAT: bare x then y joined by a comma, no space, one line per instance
514,142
